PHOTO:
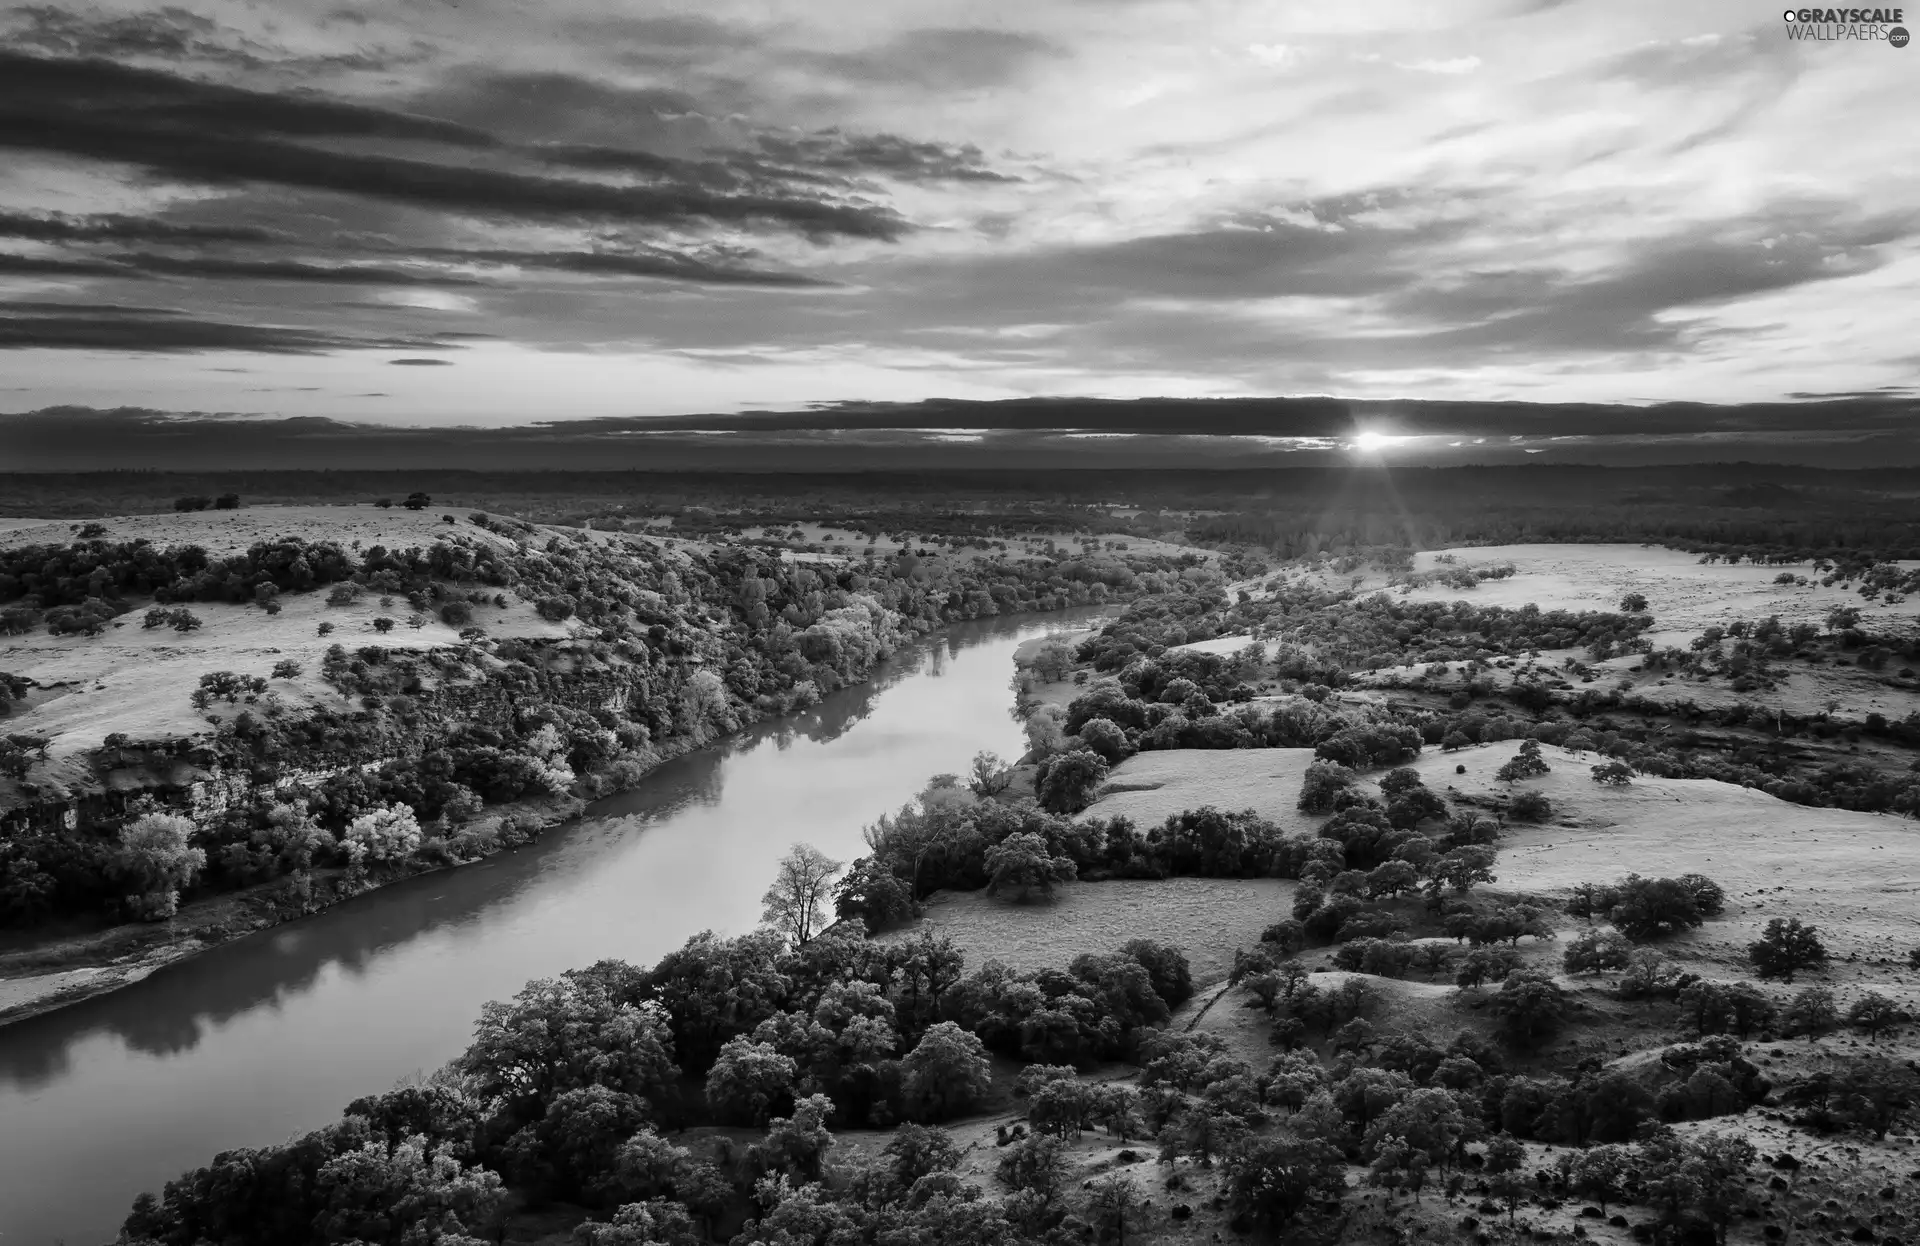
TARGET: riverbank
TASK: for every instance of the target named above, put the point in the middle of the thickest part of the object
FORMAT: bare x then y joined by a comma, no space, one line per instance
45,976
40,978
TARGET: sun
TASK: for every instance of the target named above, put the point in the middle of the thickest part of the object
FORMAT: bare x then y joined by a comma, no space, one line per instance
1374,443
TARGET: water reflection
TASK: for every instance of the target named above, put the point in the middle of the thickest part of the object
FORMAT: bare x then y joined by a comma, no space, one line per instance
274,1033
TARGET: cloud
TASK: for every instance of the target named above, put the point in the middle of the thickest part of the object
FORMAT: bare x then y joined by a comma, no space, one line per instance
945,59
96,327
112,227
234,136
886,154
421,363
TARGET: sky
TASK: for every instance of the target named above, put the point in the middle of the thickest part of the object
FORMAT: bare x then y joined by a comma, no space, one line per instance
481,212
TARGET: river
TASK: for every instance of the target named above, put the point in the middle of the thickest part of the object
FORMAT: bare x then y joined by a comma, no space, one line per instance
272,1035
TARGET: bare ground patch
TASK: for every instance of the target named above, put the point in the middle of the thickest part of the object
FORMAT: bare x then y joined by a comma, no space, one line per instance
1205,917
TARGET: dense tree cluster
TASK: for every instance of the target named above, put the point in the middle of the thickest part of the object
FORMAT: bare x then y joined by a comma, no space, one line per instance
569,1093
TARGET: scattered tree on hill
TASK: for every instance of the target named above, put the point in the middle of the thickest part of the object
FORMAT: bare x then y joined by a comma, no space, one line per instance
1878,1092
1022,863
796,903
1530,807
286,668
1526,764
1634,603
227,502
1596,951
1601,1173
1613,774
383,625
198,502
1811,1012
417,501
1114,1195
1785,948
1874,1013
1648,908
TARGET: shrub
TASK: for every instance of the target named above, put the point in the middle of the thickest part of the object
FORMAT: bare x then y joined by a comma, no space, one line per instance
1530,807
286,668
456,614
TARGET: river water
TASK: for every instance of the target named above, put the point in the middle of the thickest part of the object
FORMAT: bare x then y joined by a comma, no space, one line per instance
274,1034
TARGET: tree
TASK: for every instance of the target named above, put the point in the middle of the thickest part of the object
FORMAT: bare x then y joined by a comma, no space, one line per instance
1873,1012
946,1072
1023,863
198,502
1066,782
1323,781
989,776
227,502
1530,1008
286,668
1600,1173
559,1034
1595,951
408,1190
1878,1092
389,833
796,904
1167,969
1812,1012
1530,807
1785,948
1105,737
1114,1195
1274,1181
1634,603
872,894
1526,764
749,1081
1650,907
656,1222
153,862
383,625
1613,774
417,501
